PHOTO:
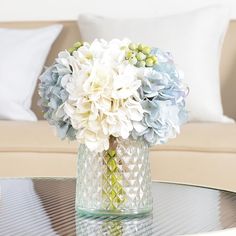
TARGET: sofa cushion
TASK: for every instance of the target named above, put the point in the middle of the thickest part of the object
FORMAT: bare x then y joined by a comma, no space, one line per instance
204,137
39,137
203,154
21,136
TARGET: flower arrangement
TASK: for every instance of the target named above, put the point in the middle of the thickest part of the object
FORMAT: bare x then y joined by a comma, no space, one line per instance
113,89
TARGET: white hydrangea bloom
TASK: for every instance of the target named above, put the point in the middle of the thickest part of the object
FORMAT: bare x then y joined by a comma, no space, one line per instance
103,98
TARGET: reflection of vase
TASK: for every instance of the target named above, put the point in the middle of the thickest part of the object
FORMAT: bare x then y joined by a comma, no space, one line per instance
119,226
116,181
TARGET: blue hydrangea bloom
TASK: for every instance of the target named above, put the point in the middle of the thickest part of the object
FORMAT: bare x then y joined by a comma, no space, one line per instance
163,99
53,95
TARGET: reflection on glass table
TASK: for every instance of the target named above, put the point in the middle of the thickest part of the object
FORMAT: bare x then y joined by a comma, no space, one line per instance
46,207
21,210
116,226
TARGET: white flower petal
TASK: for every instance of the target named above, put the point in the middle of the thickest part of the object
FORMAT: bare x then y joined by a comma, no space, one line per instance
139,127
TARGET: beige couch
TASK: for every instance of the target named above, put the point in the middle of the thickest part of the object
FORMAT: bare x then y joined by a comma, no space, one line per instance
204,153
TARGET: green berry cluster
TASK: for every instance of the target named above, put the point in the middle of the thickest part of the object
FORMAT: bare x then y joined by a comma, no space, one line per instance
140,55
75,47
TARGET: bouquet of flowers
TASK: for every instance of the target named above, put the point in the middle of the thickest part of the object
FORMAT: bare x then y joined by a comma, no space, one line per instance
113,89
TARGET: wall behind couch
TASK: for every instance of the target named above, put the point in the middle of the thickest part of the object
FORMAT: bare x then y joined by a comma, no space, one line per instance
24,10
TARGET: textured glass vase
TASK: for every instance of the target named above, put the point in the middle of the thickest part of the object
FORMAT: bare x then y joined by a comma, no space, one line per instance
116,182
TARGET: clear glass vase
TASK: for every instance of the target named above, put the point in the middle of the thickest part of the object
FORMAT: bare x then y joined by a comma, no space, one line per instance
115,182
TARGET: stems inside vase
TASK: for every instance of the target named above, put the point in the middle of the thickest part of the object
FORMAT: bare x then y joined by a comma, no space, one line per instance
113,190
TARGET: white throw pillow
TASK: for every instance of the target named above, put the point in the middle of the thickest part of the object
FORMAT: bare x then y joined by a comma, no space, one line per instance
22,57
194,39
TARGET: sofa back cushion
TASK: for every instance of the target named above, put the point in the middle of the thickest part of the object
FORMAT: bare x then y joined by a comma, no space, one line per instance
70,34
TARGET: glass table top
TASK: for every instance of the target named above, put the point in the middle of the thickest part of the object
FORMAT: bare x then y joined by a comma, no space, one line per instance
38,207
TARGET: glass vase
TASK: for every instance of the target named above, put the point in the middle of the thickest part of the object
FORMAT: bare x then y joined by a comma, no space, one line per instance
116,182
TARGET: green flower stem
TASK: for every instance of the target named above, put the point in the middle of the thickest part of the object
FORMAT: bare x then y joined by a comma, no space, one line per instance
113,191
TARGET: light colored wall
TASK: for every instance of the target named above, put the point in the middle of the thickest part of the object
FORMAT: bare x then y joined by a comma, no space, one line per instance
22,10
